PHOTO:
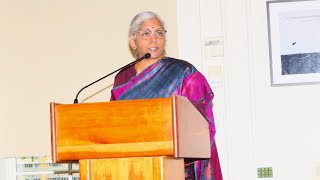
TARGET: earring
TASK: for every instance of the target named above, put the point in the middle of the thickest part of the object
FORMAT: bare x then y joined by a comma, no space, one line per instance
134,48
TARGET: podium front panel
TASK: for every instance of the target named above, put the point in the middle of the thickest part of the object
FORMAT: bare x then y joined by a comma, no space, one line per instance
112,129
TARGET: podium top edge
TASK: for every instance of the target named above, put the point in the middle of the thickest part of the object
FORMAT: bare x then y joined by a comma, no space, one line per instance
135,100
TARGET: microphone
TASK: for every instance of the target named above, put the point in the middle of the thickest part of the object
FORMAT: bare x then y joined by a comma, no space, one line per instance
146,56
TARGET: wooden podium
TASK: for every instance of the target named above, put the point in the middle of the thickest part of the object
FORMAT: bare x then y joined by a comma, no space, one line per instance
129,139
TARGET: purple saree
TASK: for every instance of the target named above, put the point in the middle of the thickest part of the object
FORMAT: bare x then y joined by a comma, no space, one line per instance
172,76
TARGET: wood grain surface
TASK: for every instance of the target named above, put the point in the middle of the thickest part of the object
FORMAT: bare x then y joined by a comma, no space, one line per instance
137,168
112,129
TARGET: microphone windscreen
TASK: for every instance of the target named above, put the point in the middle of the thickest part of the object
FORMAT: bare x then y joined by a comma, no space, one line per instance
147,55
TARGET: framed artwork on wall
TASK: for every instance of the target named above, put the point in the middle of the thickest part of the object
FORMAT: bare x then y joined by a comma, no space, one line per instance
294,42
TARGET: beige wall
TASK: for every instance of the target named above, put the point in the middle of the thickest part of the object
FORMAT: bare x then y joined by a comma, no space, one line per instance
51,49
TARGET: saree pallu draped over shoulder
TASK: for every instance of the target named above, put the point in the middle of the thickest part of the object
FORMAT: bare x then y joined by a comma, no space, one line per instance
173,76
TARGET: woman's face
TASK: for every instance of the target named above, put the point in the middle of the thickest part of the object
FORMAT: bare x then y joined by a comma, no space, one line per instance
150,38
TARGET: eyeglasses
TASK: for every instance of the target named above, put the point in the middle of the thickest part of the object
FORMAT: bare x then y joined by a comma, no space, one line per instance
146,34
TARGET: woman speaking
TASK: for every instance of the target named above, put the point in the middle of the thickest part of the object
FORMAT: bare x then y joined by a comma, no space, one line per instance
159,76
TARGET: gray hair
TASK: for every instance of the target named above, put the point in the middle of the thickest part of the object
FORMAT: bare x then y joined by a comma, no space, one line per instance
141,17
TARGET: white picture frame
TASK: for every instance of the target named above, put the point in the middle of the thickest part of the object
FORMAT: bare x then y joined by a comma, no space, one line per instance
294,42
